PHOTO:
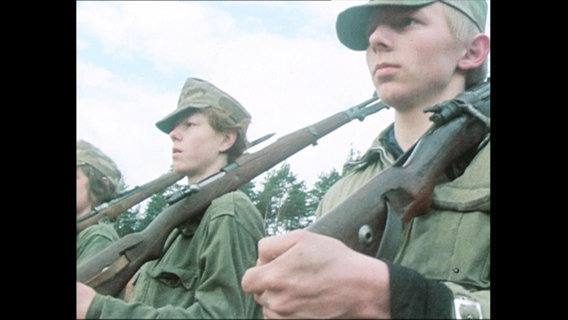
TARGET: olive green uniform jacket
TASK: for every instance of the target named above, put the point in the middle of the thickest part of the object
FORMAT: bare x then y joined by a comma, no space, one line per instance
94,239
200,274
450,244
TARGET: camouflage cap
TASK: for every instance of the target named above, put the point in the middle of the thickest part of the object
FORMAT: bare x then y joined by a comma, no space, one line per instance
351,24
197,93
87,154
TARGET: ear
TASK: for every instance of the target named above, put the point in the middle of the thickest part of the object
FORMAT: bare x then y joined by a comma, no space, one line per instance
106,181
228,141
476,53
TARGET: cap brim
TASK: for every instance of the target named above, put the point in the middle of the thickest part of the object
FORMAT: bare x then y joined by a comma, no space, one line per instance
168,123
351,24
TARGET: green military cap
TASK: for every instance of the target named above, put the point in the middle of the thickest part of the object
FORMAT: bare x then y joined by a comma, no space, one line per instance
197,93
351,24
88,154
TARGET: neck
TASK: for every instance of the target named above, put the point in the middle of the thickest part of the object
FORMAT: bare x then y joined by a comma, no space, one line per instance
410,126
411,122
212,169
84,211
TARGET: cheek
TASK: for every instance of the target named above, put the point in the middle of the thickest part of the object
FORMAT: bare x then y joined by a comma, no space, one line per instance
82,193
443,52
436,62
198,148
369,59
203,142
196,144
81,187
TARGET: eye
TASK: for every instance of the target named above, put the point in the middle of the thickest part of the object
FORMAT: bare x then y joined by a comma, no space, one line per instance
404,23
188,124
395,23
409,21
184,122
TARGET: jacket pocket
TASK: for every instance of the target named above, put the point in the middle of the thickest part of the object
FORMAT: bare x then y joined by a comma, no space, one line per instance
462,200
174,277
469,192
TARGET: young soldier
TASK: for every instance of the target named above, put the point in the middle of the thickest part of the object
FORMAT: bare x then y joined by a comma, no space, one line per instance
199,275
419,53
98,181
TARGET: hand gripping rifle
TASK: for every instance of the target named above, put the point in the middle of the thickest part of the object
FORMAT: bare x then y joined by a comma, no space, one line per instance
372,217
130,198
109,270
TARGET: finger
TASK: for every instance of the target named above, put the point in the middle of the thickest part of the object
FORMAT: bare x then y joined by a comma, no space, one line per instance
253,280
263,277
268,313
270,248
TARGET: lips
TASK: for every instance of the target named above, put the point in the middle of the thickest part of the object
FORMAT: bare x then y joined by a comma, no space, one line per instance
382,66
383,69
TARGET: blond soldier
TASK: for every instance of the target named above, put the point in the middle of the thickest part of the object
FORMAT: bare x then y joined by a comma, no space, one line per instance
419,53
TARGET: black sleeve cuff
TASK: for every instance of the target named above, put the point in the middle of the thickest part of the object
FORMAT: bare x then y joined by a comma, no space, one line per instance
413,296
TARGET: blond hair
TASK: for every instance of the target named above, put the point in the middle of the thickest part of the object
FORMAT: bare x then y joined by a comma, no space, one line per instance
464,31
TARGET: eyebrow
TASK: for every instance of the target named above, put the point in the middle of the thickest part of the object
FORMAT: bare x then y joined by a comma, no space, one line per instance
392,12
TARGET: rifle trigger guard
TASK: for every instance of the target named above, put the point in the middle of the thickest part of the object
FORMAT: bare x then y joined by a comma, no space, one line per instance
391,235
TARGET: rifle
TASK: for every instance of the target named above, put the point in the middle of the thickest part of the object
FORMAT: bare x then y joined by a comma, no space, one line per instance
109,270
368,219
114,208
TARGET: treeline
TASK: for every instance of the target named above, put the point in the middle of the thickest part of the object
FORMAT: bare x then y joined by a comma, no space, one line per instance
285,202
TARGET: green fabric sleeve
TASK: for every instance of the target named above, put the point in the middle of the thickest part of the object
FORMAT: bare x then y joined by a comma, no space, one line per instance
93,240
199,276
107,307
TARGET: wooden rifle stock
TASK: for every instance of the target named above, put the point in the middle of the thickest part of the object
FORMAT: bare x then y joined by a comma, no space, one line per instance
407,186
109,271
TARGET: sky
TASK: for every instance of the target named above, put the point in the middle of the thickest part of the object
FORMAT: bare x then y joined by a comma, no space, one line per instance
280,59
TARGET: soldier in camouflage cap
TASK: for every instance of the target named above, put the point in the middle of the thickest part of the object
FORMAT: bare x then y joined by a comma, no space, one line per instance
98,181
198,276
88,154
197,93
200,96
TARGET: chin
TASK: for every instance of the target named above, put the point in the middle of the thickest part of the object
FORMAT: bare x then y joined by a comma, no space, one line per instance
179,169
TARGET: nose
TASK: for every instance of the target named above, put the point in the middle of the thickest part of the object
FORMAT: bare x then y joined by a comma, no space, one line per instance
174,134
380,39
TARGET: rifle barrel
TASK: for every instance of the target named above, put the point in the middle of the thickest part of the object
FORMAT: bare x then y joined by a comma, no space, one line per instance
136,195
110,270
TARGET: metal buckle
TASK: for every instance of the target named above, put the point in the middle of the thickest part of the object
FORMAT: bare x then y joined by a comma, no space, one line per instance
466,308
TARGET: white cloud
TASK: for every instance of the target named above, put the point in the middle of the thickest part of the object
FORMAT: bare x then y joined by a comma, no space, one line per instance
133,58
289,70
